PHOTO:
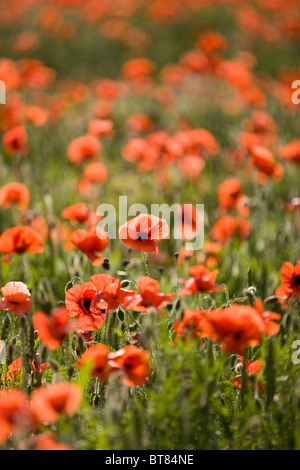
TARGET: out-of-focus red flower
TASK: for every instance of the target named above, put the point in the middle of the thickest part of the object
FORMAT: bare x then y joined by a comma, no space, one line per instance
201,280
18,240
98,355
144,232
291,151
53,401
16,298
91,242
149,296
14,194
264,161
269,318
132,364
96,172
52,329
227,227
84,148
190,325
14,370
100,128
15,413
235,327
15,141
253,368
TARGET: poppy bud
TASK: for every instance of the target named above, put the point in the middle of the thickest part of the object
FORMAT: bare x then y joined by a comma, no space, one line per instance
106,265
176,254
7,321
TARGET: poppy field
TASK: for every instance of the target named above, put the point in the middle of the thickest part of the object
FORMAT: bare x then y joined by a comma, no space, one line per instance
116,333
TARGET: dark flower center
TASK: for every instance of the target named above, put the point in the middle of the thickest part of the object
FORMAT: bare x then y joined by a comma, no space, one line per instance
142,236
87,304
297,280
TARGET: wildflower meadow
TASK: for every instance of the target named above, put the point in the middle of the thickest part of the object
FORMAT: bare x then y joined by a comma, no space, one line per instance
150,226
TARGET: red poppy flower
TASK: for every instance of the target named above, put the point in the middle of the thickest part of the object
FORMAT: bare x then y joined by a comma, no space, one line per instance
96,172
236,327
253,368
21,239
201,280
144,232
190,221
272,328
79,306
132,364
101,127
149,296
291,151
190,325
264,161
15,413
77,213
14,370
53,401
91,242
227,227
15,141
16,298
52,329
14,193
98,355
290,278
83,148
229,192
109,289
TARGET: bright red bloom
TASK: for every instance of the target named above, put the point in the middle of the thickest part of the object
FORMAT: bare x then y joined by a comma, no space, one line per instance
149,296
21,239
16,298
91,242
14,370
291,152
190,221
52,329
84,148
227,227
14,193
264,161
272,328
132,364
290,278
77,213
96,172
144,232
15,141
98,355
101,127
190,325
14,413
79,306
253,368
201,280
109,289
236,327
53,401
